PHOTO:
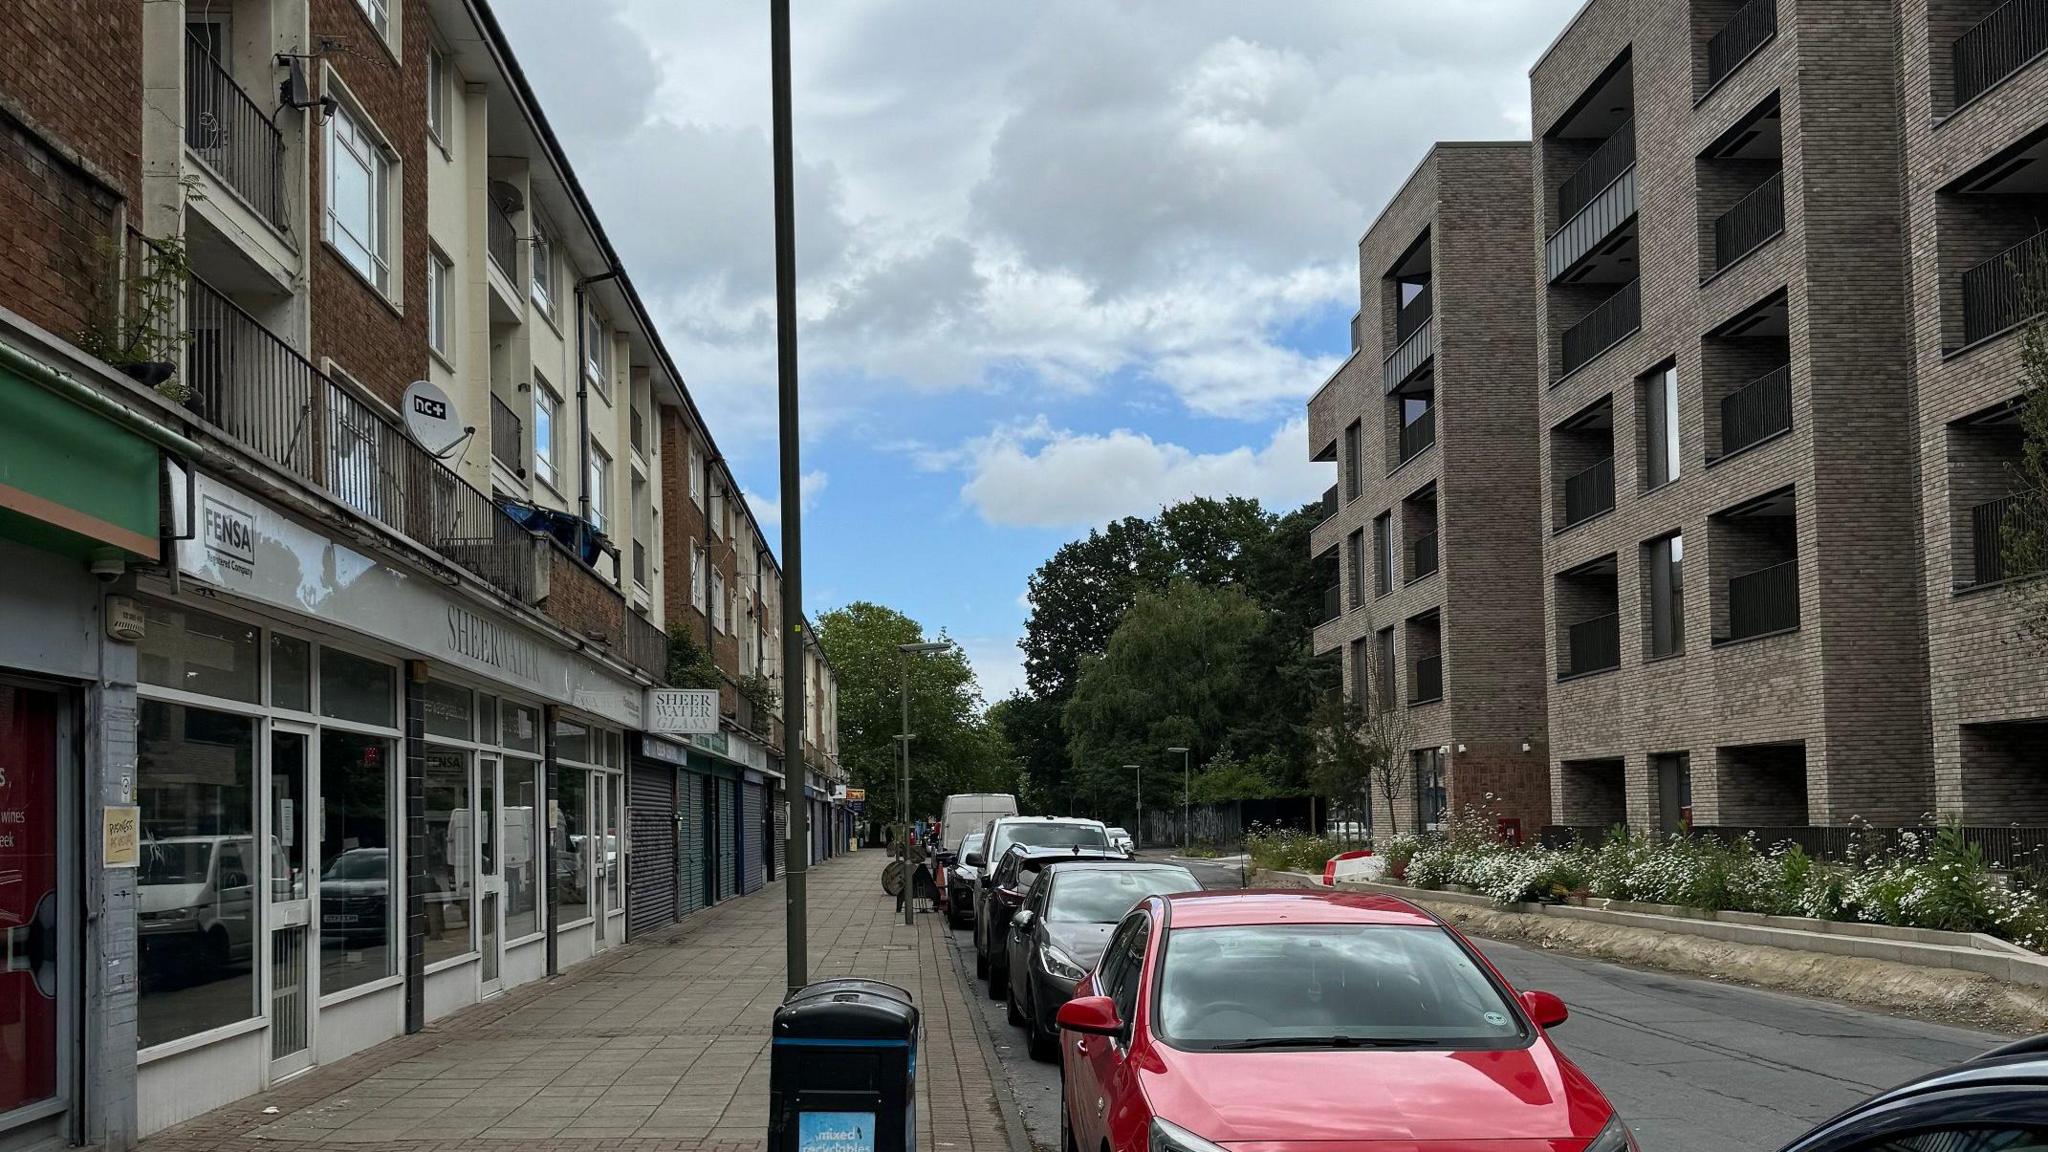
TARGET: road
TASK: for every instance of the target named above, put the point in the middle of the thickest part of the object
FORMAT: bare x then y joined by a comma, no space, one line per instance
1693,1065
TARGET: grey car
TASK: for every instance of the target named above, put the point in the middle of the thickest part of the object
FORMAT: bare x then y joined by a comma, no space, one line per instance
1057,937
960,878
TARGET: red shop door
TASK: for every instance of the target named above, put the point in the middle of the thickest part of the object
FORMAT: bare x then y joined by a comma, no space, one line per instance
28,896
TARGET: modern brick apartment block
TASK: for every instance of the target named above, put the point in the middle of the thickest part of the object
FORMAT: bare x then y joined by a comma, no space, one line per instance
1434,516
1731,561
1973,107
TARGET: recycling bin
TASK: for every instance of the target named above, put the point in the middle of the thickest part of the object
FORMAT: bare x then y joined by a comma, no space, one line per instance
843,1069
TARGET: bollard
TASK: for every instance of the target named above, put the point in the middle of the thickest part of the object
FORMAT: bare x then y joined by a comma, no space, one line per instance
843,1069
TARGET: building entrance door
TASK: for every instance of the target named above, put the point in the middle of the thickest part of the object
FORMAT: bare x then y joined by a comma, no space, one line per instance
34,920
288,910
490,884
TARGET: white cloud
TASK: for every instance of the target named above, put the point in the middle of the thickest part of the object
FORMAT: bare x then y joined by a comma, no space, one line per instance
1034,475
998,664
768,507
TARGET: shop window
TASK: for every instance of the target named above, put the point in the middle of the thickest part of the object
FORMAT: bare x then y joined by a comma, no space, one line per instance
572,847
612,843
572,741
447,708
450,874
355,860
353,688
522,834
291,673
195,892
521,729
486,717
200,653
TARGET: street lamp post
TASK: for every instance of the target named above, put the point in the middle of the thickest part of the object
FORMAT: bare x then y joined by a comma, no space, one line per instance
1140,770
903,839
1187,793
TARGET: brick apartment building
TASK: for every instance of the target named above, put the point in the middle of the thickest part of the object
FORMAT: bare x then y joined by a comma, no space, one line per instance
1778,254
1433,522
342,479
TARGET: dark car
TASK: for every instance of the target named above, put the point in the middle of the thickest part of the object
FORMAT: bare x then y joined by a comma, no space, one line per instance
960,877
1057,937
997,837
1004,890
1997,1102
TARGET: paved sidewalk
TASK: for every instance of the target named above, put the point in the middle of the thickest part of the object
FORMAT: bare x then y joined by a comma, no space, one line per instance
658,1045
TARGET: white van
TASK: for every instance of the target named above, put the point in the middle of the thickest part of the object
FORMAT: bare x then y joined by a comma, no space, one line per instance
969,812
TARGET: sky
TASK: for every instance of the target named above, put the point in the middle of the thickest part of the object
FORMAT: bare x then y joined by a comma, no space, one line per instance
1059,261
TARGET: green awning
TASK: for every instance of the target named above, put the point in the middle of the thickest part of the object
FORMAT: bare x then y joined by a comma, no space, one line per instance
70,481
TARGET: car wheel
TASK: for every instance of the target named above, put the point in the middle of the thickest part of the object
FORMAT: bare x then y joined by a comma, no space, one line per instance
980,962
219,950
1044,1046
998,980
1012,1011
1066,1123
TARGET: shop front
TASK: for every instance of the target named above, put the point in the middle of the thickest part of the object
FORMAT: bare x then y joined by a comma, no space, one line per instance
366,800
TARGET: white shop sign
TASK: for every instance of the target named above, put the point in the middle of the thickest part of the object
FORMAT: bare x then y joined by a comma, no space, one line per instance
682,711
245,547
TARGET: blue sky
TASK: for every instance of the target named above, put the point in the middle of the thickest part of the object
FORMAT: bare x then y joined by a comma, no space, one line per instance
1060,262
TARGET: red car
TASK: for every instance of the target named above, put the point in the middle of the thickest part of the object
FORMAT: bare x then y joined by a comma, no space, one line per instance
1314,1022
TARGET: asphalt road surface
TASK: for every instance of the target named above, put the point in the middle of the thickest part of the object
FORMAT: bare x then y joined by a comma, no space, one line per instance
1693,1065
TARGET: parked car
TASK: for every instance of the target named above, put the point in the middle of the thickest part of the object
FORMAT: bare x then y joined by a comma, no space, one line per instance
355,897
997,837
1122,841
1228,1019
958,883
965,813
1057,936
1008,886
1997,1102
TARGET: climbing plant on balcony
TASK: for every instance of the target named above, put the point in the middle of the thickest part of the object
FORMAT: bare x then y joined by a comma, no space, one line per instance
137,327
689,663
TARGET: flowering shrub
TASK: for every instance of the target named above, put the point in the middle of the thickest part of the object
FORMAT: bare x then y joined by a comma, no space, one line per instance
1287,850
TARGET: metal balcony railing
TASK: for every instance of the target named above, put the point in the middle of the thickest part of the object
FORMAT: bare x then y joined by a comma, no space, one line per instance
1609,323
1755,218
1749,29
645,646
1410,317
1593,645
1357,330
1991,525
508,436
1589,493
1764,601
1422,556
1426,680
2000,45
501,241
1329,501
231,135
1615,155
1996,293
1756,411
1418,435
1333,603
1410,355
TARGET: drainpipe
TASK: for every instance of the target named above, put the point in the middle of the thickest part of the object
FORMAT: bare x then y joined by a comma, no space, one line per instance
710,497
583,395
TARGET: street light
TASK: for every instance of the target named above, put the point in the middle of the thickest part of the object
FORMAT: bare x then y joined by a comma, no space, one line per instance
1187,792
1140,770
903,839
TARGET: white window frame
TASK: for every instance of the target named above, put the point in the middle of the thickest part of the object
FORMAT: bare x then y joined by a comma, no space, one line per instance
440,325
347,130
716,515
597,352
600,485
437,92
378,13
541,263
699,589
544,467
718,607
696,475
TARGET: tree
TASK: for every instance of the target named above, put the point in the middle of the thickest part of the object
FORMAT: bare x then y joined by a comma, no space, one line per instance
954,748
2025,542
1363,748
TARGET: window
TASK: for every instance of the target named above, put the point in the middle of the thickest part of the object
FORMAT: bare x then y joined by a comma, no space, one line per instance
356,689
696,475
572,846
1383,553
291,673
699,589
543,267
355,860
439,273
717,516
1430,801
1667,596
379,14
1361,673
597,353
544,404
449,870
600,488
1354,447
1354,555
1383,670
1672,772
717,600
197,652
437,93
523,833
613,782
359,197
1660,441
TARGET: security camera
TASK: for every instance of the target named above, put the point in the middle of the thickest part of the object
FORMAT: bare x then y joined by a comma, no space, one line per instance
108,565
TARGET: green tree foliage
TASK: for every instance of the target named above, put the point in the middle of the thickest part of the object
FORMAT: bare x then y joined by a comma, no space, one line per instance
955,748
2026,530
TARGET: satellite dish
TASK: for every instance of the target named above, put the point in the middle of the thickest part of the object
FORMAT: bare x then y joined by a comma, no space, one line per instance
430,418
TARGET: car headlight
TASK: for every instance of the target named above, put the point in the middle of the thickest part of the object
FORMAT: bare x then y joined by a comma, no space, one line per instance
1060,964
1173,1138
1615,1137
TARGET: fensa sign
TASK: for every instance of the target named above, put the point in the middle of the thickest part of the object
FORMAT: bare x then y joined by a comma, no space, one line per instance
682,711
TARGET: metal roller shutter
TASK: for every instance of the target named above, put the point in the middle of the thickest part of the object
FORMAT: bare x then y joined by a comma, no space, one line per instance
728,861
753,813
690,844
780,799
651,866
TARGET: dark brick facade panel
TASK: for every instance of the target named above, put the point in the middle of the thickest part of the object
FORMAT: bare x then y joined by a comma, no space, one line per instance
579,600
60,232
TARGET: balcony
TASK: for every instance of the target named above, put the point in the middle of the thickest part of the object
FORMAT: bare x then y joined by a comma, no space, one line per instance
1589,493
1333,603
1609,323
1410,318
1426,680
1422,556
1414,353
1992,525
1749,29
1593,203
1418,435
501,241
645,646
1764,601
1614,156
1357,331
231,135
1995,293
1756,411
1329,502
1593,645
2003,43
1755,218
508,437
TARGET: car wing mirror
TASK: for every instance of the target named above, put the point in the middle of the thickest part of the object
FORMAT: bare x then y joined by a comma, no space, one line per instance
1092,1015
1022,920
1544,1008
972,860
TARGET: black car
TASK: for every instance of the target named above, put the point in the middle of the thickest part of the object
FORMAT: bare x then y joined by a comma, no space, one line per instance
1058,935
1003,892
997,837
1997,1102
960,877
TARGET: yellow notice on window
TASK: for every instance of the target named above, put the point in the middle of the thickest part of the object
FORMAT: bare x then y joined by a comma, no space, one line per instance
121,835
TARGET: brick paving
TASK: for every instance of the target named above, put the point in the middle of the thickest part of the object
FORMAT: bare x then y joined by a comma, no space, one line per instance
661,1044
